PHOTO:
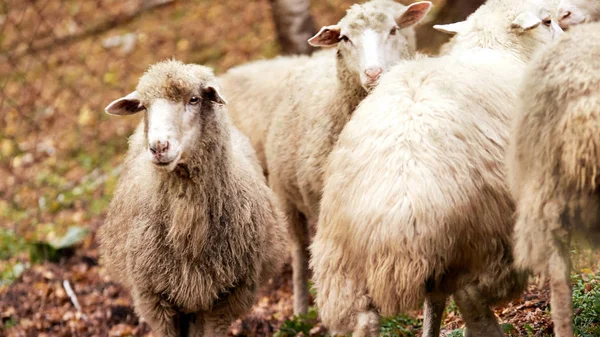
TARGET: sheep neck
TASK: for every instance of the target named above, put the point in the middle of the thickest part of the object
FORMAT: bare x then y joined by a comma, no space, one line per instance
350,91
195,194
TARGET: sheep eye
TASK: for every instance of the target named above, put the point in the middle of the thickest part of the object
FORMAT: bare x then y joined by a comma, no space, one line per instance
547,22
194,100
344,38
393,31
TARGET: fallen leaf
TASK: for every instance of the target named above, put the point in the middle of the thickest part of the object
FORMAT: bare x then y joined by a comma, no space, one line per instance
86,116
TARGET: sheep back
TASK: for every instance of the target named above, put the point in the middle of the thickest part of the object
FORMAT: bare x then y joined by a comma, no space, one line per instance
254,91
305,129
415,189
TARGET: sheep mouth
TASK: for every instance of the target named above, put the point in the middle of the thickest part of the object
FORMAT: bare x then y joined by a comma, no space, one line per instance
163,163
168,165
369,87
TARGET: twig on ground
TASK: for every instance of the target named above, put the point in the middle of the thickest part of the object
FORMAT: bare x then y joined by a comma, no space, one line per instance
73,298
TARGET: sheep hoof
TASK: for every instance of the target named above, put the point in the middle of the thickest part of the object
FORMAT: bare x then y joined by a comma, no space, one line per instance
367,325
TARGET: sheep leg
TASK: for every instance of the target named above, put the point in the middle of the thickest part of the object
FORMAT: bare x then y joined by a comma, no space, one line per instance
184,323
216,325
367,325
300,257
479,318
197,326
561,306
433,311
159,314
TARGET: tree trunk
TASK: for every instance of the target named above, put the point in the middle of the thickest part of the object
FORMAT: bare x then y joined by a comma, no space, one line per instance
294,25
430,40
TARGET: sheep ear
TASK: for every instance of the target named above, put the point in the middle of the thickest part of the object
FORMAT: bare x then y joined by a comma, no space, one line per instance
127,105
326,37
214,95
525,21
413,14
452,28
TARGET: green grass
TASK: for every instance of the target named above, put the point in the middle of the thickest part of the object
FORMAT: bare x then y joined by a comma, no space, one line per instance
529,330
456,333
452,307
12,246
509,330
400,326
586,304
11,322
300,324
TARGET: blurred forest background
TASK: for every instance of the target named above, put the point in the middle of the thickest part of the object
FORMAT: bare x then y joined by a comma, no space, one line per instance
61,63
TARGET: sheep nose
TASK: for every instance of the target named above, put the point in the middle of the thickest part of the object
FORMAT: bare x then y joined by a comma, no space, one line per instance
373,73
158,148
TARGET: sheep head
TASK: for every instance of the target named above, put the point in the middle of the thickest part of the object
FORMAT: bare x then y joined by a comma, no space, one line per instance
574,12
177,99
373,36
518,26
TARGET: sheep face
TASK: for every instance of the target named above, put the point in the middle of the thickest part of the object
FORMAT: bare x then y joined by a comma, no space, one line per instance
515,25
371,37
533,28
574,12
178,99
171,127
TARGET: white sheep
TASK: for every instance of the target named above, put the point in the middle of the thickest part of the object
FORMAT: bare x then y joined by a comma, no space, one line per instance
319,98
554,162
415,205
192,229
257,89
574,12
254,90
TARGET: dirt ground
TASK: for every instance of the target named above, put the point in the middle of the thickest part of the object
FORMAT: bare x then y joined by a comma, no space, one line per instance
39,305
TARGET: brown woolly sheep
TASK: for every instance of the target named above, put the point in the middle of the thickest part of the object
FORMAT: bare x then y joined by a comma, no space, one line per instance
192,229
554,162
